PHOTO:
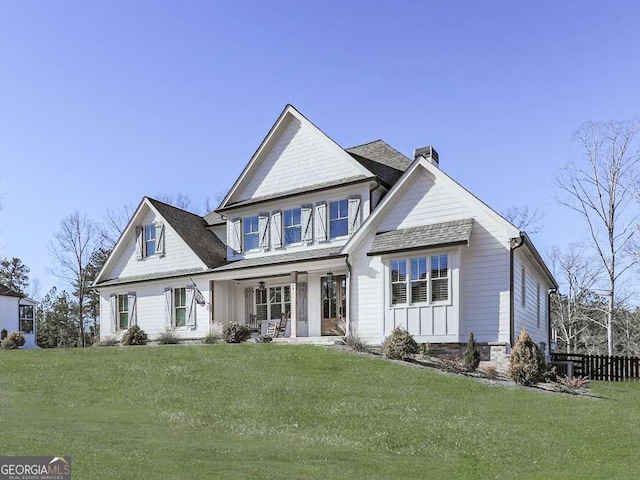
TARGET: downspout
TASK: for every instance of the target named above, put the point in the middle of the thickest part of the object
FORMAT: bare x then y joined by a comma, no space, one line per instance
552,291
515,243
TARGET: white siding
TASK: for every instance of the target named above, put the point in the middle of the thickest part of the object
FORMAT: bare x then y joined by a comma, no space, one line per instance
178,255
526,317
483,306
300,157
150,307
9,318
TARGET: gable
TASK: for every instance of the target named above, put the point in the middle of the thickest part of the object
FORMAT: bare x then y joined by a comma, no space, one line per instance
125,262
295,154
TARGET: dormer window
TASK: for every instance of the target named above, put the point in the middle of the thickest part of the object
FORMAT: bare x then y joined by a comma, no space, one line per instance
149,240
251,233
292,226
339,218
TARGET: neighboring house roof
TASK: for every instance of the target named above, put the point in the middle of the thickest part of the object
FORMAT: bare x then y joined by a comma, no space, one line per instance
152,276
318,254
296,191
438,234
7,292
193,230
382,160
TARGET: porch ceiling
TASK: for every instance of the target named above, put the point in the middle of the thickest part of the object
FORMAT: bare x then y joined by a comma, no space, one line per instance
434,235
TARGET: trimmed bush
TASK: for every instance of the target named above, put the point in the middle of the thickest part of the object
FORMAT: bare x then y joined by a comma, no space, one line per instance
211,338
471,359
134,336
236,333
356,343
167,338
399,345
526,363
13,341
490,372
425,350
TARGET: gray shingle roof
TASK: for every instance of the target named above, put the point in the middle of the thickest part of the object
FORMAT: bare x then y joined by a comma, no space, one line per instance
213,218
381,159
193,230
152,276
448,233
300,256
7,292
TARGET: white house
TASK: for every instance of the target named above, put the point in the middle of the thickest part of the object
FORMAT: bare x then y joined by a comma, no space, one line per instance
339,241
17,314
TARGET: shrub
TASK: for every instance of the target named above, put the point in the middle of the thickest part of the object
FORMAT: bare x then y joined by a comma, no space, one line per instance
134,336
471,357
526,364
424,349
109,341
211,338
236,333
3,334
574,386
399,345
490,371
167,338
264,339
13,341
356,343
449,363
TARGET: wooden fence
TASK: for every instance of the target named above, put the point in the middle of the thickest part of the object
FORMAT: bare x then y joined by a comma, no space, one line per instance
599,367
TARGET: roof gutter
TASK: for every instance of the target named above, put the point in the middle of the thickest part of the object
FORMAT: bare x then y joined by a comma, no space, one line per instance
514,243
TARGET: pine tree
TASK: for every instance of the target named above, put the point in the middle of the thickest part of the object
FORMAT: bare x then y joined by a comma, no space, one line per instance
526,363
471,358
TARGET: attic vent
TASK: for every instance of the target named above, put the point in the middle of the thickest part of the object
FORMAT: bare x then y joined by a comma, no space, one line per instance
429,153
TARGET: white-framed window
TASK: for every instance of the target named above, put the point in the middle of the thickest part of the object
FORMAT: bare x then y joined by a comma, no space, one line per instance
413,282
251,233
338,218
523,286
272,302
26,318
262,305
149,240
292,226
180,307
123,312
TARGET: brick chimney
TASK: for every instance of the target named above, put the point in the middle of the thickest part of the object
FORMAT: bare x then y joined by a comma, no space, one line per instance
429,154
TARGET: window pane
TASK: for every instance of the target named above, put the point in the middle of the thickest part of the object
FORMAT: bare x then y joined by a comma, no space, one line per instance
124,320
26,311
418,291
181,316
338,218
250,226
439,290
419,268
398,293
261,312
26,325
398,270
150,240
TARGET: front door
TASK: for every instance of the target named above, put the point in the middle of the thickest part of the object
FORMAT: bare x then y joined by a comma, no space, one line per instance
333,305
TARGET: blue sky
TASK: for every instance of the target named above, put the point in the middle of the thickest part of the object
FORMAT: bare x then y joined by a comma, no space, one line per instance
104,102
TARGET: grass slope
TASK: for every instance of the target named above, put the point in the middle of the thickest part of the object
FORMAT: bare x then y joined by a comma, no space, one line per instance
303,412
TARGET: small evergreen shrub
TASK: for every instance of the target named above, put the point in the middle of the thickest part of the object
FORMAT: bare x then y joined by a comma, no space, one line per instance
3,334
109,341
134,336
449,363
236,333
490,372
167,338
264,339
211,338
471,359
399,345
424,349
526,363
13,341
574,386
356,343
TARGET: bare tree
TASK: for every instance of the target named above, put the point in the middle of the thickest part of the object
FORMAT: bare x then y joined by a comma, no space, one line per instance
73,249
181,200
603,190
114,223
525,219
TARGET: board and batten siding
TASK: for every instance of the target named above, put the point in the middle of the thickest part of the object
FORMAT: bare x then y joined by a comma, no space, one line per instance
527,316
299,157
482,305
177,255
150,307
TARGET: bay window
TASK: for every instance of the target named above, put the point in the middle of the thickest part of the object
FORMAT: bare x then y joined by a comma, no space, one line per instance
412,281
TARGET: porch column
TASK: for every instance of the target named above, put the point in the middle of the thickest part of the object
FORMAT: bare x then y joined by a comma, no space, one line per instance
294,305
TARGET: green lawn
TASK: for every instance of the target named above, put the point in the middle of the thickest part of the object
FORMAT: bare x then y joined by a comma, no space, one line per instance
275,411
